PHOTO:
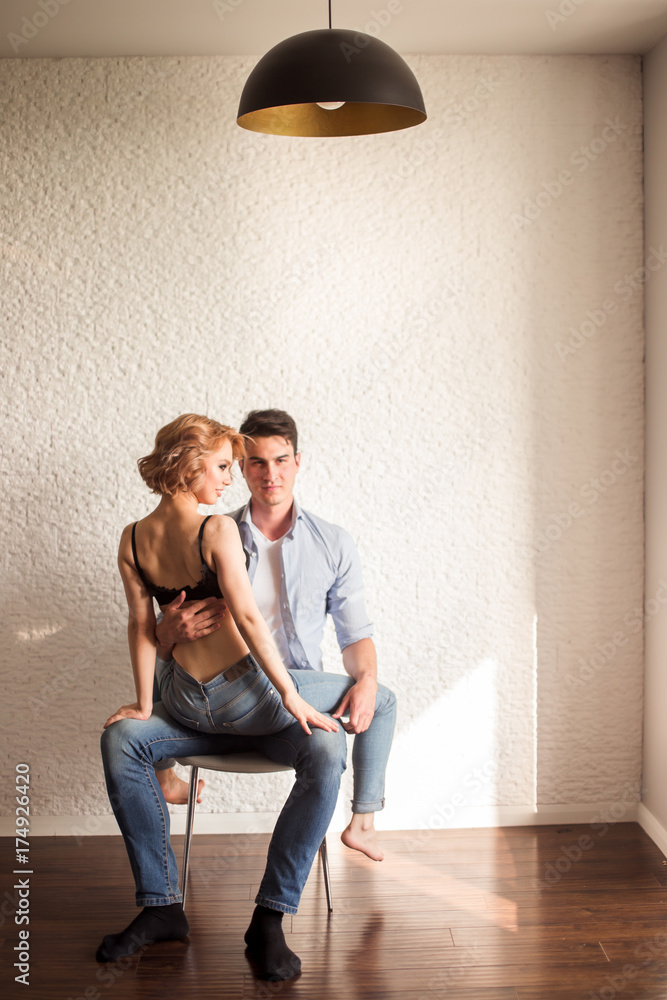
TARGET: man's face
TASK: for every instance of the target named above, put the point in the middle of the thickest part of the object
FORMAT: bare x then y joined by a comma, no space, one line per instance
269,468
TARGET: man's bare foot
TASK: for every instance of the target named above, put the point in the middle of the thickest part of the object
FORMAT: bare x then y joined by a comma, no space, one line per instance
174,789
361,835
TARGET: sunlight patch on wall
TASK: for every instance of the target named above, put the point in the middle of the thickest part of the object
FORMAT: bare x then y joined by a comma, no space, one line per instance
36,634
446,759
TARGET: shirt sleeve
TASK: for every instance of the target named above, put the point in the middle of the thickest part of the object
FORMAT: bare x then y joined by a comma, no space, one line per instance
345,598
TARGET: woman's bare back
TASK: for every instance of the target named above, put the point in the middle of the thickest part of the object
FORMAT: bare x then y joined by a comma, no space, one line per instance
168,552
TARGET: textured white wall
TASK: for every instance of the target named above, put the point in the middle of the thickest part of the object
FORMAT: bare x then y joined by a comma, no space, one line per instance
450,315
655,732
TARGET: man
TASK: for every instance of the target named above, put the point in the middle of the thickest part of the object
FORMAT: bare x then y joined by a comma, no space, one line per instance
301,568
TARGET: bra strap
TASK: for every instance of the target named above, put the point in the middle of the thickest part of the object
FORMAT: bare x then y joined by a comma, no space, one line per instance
134,553
201,535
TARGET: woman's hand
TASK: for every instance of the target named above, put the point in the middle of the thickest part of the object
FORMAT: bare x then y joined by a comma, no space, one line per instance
305,713
127,712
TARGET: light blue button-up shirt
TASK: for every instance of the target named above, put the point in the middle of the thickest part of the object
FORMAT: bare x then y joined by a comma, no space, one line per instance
320,575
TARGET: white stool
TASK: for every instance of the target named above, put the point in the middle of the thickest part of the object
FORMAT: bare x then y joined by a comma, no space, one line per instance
251,762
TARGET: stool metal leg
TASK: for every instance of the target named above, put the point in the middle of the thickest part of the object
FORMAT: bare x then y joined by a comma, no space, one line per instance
325,867
189,824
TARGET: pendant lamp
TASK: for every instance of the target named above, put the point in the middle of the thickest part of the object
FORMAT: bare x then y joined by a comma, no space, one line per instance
330,82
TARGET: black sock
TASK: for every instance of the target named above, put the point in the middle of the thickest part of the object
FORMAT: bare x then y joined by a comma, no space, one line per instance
154,923
266,943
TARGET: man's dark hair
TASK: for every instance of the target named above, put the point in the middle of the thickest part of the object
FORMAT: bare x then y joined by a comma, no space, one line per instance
270,423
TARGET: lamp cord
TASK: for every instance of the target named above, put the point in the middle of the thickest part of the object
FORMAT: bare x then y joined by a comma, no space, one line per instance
329,14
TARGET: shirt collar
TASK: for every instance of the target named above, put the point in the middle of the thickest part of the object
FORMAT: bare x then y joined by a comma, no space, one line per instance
296,514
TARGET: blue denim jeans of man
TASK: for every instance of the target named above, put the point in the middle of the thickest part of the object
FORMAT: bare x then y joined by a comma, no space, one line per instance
131,748
243,702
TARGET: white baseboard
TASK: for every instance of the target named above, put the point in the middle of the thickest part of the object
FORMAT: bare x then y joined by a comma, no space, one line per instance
466,818
652,827
470,817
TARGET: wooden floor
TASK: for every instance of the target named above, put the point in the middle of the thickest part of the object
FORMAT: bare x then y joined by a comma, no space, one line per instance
525,913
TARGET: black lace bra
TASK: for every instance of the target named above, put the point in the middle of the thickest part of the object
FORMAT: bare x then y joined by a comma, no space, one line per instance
207,585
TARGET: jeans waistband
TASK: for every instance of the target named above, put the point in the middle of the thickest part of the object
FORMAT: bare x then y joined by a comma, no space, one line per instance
225,676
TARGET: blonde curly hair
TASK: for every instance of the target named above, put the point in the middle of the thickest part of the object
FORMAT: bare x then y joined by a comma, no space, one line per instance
176,463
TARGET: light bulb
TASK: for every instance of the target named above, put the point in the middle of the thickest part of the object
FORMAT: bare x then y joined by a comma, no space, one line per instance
330,105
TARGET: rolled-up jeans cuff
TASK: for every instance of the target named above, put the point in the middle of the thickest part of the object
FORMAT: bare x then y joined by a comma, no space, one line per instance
367,807
159,900
271,904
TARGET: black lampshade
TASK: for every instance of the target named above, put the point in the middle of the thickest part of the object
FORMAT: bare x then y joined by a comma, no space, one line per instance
379,90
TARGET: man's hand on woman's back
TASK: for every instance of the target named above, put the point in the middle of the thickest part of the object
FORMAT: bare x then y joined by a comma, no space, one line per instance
185,621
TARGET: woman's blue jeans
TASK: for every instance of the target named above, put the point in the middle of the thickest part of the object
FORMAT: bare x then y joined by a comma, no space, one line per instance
240,700
131,748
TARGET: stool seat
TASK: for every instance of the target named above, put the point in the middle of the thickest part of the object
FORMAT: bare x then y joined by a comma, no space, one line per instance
246,762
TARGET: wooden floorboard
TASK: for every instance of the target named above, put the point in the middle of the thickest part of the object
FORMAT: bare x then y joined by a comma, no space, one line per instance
507,914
